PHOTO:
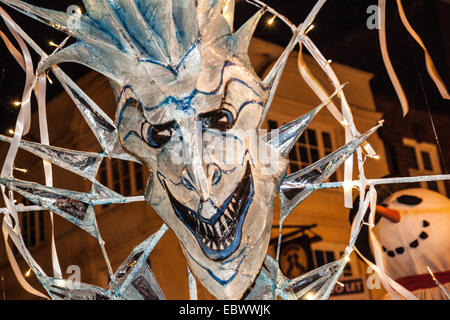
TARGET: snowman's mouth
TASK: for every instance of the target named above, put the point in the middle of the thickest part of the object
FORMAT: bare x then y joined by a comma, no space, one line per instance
413,244
220,236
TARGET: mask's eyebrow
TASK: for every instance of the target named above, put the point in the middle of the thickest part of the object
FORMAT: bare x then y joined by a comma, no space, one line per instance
130,102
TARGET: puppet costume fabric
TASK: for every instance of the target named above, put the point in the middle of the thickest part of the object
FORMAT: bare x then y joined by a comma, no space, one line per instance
419,240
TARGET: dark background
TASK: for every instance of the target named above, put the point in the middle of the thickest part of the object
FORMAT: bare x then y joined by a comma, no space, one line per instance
340,33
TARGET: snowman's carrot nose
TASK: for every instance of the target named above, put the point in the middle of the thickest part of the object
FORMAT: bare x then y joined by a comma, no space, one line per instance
390,214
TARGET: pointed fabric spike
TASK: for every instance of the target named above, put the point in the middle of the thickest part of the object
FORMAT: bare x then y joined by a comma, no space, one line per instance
60,289
142,34
134,278
284,139
101,125
242,37
208,10
316,284
71,205
228,12
215,31
78,26
294,188
158,14
106,62
186,23
85,164
103,193
272,80
263,288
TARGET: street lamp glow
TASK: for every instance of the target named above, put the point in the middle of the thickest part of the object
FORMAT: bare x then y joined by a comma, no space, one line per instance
271,21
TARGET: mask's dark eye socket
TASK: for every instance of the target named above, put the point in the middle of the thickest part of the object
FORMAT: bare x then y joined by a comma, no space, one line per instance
157,136
221,120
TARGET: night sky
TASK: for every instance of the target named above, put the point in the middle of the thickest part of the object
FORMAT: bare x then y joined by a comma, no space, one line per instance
340,33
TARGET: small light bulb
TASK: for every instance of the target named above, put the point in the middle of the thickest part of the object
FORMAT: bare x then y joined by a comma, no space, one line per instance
271,21
309,296
310,28
17,103
53,44
49,79
11,131
27,274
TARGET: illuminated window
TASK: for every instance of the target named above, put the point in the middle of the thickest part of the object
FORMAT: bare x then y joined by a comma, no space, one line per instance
422,159
313,145
124,177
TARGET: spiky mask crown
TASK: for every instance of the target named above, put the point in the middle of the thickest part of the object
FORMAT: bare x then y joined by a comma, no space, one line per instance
162,32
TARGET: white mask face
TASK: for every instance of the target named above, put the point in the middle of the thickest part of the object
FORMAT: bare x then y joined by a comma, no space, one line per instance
209,181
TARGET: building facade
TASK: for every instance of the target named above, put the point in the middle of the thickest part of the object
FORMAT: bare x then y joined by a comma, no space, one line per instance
315,233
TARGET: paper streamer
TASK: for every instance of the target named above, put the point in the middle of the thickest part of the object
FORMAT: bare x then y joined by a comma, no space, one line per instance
431,68
390,285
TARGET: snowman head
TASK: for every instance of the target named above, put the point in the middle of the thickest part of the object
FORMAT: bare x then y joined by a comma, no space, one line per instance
420,237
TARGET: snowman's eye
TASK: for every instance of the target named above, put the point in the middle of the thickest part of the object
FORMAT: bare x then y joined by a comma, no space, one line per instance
409,200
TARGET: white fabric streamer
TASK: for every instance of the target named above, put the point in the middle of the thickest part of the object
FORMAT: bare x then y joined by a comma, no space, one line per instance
390,285
431,68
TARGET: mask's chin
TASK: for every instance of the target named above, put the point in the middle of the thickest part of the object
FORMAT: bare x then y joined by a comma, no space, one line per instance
220,236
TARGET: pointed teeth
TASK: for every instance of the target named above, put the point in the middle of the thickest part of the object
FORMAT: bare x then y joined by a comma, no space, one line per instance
218,230
224,221
228,213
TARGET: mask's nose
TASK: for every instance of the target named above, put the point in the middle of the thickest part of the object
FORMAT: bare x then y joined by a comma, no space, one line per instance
196,174
194,181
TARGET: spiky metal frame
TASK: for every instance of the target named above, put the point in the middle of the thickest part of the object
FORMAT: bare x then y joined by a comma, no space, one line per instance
104,52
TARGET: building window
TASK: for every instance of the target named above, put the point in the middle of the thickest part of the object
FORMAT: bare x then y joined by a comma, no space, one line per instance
422,159
32,226
313,145
124,177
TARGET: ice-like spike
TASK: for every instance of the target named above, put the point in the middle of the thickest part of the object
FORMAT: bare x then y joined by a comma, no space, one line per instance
60,289
284,139
101,125
85,164
264,284
294,188
316,284
77,25
272,80
134,279
228,12
71,205
242,37
159,17
103,193
140,31
106,62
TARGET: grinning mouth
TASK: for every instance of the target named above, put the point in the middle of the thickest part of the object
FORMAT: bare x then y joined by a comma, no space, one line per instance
220,236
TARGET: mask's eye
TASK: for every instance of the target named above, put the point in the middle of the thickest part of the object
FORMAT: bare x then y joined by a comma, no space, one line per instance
221,120
156,136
